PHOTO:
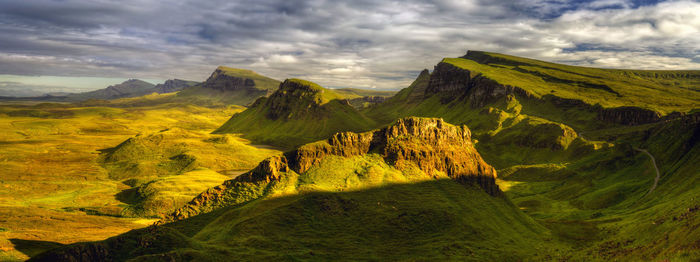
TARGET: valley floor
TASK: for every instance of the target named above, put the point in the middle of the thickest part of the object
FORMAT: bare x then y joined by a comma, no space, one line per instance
53,188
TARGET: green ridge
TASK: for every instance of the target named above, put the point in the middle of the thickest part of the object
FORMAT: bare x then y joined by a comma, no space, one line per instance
298,112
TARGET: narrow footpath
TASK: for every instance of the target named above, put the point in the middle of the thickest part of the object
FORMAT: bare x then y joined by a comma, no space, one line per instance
653,161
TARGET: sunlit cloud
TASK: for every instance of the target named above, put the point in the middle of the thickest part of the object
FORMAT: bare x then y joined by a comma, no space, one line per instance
370,44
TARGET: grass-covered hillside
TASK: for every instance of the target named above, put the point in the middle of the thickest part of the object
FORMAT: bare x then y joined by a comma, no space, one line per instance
349,197
298,112
569,163
55,189
661,91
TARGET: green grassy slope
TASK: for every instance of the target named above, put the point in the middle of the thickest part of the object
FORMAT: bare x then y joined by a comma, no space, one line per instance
662,91
553,156
297,113
608,192
576,188
360,201
52,186
163,195
429,220
174,151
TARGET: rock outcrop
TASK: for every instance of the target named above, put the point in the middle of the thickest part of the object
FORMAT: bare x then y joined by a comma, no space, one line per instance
429,143
452,82
435,147
172,85
448,78
220,80
629,115
366,101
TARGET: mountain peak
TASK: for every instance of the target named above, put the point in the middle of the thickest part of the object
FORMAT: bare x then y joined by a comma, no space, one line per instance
306,91
173,85
131,84
235,79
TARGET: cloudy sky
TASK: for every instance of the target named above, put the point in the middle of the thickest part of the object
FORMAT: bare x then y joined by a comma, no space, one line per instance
64,45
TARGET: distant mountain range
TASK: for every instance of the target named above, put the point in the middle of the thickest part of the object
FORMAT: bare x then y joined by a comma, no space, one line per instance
129,88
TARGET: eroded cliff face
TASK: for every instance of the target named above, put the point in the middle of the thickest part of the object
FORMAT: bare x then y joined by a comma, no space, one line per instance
173,85
430,144
629,115
448,78
451,82
366,101
219,80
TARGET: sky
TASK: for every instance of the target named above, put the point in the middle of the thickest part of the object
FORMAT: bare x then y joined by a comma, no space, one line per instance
80,45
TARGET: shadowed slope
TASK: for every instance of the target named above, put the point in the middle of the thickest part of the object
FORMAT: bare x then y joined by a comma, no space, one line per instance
439,219
416,190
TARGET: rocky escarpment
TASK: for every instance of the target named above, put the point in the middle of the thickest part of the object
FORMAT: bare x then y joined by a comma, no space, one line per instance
629,115
366,101
435,147
220,80
452,82
428,143
172,85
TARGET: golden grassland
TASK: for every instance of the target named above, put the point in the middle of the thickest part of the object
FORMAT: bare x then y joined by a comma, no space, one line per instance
54,188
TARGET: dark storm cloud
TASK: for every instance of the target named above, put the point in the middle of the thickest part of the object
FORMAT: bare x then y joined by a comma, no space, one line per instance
350,43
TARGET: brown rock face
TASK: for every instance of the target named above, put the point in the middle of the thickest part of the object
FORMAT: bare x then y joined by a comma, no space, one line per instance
366,101
268,170
223,82
629,115
448,78
452,82
173,85
428,143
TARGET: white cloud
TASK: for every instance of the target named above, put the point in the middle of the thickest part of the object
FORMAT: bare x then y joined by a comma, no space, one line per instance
381,44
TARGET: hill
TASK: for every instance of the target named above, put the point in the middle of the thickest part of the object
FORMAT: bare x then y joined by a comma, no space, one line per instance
231,86
173,85
298,112
582,97
414,190
129,88
565,141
